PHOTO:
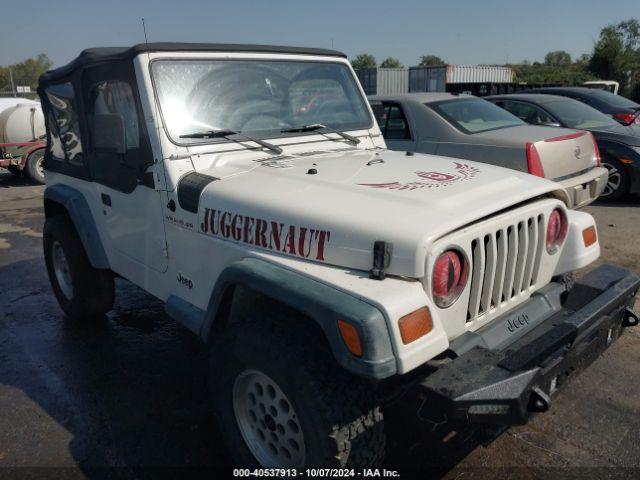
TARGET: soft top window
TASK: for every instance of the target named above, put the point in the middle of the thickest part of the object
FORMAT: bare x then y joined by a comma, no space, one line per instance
472,115
259,97
63,124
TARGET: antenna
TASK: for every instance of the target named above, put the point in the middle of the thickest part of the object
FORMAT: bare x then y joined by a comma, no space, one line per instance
144,29
156,120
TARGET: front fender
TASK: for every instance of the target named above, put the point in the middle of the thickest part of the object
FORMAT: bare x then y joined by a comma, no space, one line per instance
77,207
318,301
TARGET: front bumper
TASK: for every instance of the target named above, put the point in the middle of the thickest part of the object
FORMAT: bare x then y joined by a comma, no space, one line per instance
505,385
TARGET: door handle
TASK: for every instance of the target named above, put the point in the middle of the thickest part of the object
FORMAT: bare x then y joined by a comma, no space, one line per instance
106,199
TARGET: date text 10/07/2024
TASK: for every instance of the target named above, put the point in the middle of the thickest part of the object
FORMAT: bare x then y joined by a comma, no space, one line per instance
316,473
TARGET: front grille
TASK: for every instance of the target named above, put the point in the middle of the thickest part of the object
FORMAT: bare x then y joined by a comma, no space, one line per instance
505,263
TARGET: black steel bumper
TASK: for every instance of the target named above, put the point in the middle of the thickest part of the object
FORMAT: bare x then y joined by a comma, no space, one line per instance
505,386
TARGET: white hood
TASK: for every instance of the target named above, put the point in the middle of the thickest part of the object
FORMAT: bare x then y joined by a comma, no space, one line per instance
355,198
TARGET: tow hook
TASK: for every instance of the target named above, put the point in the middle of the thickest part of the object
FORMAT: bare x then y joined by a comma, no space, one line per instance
630,318
539,401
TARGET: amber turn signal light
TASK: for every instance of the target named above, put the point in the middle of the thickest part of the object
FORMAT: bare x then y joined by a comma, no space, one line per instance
589,236
350,337
415,325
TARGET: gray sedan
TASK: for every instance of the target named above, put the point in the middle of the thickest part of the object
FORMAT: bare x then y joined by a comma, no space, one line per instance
619,145
464,126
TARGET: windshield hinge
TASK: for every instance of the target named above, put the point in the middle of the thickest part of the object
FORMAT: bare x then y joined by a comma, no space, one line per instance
381,259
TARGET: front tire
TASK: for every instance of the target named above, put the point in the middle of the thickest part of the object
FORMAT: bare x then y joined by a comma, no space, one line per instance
83,292
618,181
281,400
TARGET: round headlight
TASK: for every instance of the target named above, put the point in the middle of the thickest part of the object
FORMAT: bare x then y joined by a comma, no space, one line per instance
450,273
557,227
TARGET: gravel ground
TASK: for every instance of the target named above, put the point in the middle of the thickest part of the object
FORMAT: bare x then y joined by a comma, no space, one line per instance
127,398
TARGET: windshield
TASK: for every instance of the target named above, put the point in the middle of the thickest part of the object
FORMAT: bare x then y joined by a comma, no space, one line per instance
473,115
257,97
612,99
578,115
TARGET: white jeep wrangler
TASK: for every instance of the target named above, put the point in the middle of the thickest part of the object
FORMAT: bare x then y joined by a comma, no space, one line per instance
249,188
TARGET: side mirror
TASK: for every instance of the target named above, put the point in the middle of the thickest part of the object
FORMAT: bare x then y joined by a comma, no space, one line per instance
551,124
109,134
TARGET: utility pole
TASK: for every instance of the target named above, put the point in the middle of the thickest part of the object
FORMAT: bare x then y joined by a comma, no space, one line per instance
13,86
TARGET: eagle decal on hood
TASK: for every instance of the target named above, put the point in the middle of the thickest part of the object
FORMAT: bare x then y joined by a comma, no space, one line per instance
462,172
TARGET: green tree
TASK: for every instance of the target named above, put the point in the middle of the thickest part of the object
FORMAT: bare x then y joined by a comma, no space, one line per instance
539,73
616,55
430,61
608,60
25,73
364,60
391,62
557,58
583,60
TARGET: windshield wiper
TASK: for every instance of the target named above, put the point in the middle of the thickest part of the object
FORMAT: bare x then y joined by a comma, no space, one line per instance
318,126
225,133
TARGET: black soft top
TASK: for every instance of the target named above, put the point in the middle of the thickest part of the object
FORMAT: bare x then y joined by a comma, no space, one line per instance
107,54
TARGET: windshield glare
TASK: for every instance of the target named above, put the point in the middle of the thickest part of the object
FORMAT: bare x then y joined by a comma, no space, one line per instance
256,97
474,115
578,115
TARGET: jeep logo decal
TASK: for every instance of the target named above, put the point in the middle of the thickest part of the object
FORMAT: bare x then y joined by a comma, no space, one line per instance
293,240
187,282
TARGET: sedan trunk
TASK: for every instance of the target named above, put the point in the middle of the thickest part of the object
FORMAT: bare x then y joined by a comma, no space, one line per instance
566,156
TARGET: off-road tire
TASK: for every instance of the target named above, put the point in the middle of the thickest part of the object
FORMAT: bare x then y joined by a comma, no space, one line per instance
34,166
339,414
624,182
92,289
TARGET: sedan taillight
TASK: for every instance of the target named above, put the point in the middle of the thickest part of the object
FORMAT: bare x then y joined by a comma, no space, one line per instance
596,151
625,118
534,165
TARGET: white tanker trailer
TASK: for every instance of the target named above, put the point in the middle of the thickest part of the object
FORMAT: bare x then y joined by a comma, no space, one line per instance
22,137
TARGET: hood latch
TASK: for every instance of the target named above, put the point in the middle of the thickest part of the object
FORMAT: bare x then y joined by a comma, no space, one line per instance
381,259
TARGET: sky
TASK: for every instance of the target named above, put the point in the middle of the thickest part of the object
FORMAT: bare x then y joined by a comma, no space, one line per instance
460,31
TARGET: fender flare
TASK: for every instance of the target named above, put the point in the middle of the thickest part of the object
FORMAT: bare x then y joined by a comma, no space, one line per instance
76,205
320,302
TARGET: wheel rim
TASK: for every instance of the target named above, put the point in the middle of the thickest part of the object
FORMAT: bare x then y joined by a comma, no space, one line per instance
61,270
613,182
267,421
39,166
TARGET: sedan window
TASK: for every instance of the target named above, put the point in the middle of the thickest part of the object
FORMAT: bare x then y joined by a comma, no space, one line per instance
473,115
578,115
392,122
613,99
528,113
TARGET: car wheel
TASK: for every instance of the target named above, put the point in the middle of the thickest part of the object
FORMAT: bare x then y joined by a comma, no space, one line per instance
35,169
618,181
282,401
82,291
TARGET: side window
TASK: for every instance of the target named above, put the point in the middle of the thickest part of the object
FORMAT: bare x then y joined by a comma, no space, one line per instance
63,123
111,92
528,113
115,96
397,127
